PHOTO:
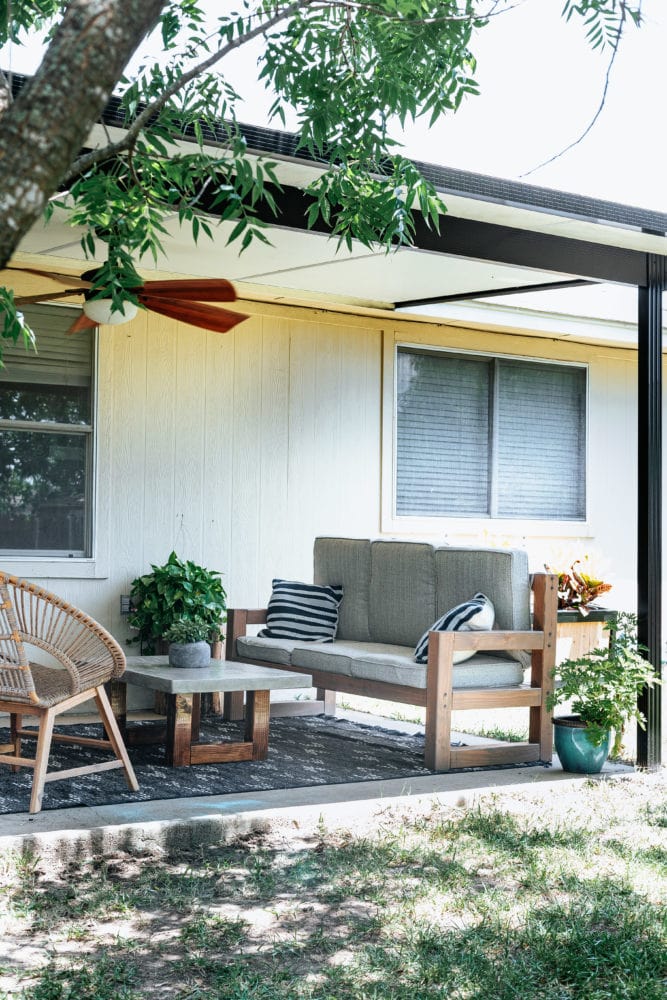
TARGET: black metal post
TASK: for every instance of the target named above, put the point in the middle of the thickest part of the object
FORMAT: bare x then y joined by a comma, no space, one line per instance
649,499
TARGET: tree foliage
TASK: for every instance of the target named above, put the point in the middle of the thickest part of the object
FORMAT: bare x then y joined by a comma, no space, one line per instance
351,71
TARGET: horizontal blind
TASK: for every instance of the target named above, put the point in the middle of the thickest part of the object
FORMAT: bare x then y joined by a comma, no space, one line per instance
59,359
541,413
442,429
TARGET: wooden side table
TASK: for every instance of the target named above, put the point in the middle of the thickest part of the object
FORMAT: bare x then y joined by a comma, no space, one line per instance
577,634
184,688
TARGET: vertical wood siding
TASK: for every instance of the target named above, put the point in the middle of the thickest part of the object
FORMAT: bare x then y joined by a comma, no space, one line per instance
237,450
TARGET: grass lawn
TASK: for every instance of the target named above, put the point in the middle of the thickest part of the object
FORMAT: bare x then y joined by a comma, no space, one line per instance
557,896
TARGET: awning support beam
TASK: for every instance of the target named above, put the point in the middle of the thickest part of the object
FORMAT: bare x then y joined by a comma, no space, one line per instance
649,498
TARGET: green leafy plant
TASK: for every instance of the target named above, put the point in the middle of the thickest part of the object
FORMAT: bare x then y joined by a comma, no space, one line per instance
186,630
604,684
176,591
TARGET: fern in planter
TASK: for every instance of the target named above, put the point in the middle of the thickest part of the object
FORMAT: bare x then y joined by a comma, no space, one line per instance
175,591
604,684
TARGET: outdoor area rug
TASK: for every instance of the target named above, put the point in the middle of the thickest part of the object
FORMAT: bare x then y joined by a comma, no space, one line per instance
311,750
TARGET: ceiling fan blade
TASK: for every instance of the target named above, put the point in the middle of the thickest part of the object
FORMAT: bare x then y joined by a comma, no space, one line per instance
195,313
66,279
26,300
194,290
81,323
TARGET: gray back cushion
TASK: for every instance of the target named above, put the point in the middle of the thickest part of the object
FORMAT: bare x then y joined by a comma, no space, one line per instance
346,561
402,592
393,591
501,574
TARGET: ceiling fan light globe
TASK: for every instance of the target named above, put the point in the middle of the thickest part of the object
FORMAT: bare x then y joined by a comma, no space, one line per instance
99,310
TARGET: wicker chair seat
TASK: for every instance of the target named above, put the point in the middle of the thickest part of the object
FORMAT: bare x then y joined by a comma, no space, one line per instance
52,684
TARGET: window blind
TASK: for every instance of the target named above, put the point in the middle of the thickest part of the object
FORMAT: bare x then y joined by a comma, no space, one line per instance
541,441
489,437
442,434
59,359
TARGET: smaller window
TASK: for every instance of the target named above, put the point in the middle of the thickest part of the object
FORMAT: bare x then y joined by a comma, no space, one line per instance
479,436
46,440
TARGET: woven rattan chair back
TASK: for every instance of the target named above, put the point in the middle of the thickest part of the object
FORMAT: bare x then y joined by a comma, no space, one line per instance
87,657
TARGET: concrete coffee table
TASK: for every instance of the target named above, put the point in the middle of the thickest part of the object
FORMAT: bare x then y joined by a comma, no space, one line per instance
184,689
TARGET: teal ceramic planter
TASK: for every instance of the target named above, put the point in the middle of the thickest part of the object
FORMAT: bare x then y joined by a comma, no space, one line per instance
575,751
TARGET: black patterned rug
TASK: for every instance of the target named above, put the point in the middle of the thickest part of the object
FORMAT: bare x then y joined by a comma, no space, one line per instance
311,750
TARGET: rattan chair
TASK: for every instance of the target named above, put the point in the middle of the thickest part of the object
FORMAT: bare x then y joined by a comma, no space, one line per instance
88,658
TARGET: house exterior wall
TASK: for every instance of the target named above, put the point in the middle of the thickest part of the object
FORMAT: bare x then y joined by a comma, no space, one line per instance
237,450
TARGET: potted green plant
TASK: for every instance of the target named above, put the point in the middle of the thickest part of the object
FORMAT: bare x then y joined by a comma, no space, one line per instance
602,686
187,643
174,591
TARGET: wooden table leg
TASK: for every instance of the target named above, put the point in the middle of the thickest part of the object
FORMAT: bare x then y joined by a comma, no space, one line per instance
196,716
257,723
179,729
233,706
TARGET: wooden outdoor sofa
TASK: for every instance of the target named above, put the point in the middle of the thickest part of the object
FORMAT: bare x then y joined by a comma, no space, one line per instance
393,591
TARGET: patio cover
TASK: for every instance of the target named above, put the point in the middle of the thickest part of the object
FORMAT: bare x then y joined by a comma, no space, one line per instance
498,236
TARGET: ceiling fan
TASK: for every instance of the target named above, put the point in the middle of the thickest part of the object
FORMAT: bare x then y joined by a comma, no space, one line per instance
181,299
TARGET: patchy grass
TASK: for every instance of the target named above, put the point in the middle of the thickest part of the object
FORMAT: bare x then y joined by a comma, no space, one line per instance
556,897
510,725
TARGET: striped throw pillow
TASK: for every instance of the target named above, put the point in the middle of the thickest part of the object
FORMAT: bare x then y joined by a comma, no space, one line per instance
302,611
476,614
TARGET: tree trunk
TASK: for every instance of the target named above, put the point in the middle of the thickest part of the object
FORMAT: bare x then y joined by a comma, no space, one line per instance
42,132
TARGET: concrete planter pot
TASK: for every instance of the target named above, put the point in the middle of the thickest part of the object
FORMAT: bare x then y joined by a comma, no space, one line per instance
189,654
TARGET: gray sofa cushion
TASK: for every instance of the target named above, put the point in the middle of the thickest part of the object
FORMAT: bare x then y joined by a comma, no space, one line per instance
272,650
394,664
393,592
402,592
346,561
501,574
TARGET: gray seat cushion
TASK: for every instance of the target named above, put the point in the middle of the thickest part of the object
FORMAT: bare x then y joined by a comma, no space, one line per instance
273,650
392,664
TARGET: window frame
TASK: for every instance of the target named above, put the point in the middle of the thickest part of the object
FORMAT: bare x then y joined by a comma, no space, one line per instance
94,562
475,524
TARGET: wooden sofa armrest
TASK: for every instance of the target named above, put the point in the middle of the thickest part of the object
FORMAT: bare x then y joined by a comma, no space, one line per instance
498,640
238,620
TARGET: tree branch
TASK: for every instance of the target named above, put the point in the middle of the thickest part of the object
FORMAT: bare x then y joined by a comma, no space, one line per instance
603,100
49,121
88,160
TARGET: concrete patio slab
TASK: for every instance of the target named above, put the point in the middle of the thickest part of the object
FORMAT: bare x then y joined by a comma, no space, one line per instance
166,825
62,835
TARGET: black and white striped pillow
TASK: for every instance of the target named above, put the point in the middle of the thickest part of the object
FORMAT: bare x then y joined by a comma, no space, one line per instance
476,614
302,611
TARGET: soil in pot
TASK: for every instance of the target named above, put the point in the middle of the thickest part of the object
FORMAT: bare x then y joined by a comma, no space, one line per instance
574,748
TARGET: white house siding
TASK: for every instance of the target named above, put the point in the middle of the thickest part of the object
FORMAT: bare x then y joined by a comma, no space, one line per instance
236,450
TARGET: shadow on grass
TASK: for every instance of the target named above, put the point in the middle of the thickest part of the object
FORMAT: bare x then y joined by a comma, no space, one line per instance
408,915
